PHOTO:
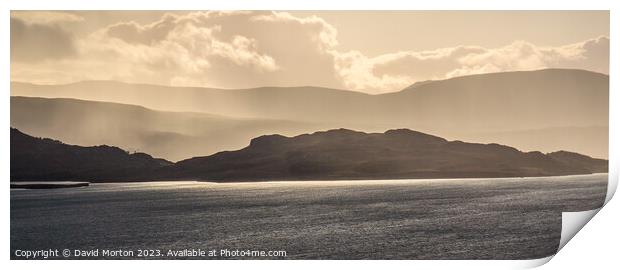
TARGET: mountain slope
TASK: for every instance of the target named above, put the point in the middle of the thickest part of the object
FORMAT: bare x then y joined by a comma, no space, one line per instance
548,110
347,154
495,101
591,140
45,159
300,103
172,135
507,101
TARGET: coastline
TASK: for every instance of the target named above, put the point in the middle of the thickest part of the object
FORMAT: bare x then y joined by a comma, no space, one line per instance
71,184
48,185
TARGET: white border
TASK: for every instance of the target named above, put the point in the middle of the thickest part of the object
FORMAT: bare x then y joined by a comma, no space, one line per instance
303,5
312,5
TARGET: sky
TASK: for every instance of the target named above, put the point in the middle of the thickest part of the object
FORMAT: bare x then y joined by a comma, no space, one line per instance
367,51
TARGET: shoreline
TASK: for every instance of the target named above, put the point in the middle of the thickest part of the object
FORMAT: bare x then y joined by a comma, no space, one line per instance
50,185
384,179
70,184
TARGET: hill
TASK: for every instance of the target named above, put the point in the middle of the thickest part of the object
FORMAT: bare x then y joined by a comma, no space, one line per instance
326,155
548,110
171,135
402,153
37,159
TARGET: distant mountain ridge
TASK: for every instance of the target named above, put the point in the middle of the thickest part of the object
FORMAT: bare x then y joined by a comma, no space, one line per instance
171,135
548,110
476,102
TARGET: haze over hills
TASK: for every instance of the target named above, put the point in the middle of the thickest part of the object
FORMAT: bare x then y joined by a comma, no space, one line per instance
300,103
172,135
489,102
592,140
506,101
333,154
547,110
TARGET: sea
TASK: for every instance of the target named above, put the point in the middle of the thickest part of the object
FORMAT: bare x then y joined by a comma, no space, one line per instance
495,218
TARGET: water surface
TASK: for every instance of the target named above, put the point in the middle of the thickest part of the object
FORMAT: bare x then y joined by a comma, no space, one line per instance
510,218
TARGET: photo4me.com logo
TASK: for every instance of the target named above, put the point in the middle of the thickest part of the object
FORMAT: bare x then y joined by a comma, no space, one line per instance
125,253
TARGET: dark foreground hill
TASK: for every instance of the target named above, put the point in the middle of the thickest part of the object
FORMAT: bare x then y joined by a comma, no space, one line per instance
334,154
403,153
45,159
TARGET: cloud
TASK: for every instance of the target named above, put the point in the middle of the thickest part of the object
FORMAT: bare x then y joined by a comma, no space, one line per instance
592,54
394,71
46,17
135,33
398,70
226,49
241,49
38,42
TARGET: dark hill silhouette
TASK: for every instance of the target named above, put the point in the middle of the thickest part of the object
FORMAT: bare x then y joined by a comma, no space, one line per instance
325,155
402,153
49,160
